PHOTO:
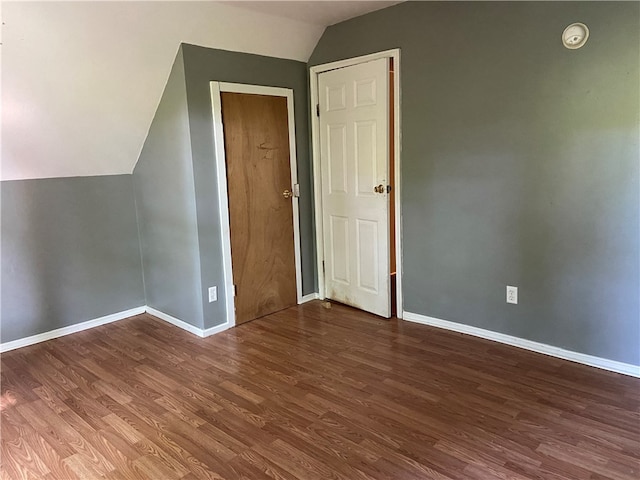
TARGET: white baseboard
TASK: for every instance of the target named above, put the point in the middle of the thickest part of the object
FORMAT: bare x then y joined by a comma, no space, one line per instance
96,322
174,321
217,329
78,327
603,363
187,326
309,297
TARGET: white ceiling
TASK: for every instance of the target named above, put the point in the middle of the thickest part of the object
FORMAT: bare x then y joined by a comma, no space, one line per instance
323,12
81,80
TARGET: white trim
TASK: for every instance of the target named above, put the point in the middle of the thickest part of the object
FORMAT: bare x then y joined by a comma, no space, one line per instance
317,177
216,88
293,159
603,363
325,67
317,180
175,321
308,298
187,326
397,181
254,89
114,317
78,327
213,330
223,203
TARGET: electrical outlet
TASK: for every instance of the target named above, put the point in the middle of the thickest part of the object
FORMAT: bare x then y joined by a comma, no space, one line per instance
512,294
213,294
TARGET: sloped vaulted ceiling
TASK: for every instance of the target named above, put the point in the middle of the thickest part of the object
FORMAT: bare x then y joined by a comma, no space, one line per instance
81,80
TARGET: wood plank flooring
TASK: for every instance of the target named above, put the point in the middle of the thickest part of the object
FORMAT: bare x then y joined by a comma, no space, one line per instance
309,393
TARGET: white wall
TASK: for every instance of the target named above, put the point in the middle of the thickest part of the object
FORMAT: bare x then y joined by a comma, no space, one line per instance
81,80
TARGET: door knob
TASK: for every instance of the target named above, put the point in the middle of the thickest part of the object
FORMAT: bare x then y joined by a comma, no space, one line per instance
287,194
379,189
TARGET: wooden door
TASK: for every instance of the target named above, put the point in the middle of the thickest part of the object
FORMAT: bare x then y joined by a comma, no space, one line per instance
354,151
256,140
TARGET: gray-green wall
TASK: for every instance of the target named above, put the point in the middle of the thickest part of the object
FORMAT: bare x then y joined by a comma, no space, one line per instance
176,182
69,252
203,65
520,165
165,203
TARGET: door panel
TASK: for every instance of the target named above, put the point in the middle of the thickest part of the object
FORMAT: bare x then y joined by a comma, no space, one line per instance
256,138
354,149
367,243
336,97
339,235
337,162
366,158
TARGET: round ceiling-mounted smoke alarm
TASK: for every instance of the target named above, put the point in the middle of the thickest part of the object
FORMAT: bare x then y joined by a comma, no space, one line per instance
575,35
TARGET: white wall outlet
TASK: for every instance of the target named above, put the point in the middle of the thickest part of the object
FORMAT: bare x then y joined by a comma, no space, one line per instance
512,294
213,294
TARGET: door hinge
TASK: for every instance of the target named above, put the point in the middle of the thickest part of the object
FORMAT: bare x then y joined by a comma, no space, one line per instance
318,109
235,291
323,267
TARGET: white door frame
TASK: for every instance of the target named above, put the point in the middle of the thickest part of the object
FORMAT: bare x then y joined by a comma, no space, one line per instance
317,183
223,198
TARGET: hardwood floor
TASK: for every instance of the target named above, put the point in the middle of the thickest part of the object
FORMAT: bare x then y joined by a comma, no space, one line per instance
309,393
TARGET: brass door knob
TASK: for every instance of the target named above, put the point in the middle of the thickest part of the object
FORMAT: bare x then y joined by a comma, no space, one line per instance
287,194
379,189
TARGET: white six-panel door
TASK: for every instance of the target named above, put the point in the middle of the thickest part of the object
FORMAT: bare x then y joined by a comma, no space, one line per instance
354,116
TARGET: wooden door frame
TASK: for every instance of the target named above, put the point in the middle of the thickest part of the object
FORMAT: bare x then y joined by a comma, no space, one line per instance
223,198
317,176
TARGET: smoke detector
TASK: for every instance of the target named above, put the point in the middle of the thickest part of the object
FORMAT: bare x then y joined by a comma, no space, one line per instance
575,35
